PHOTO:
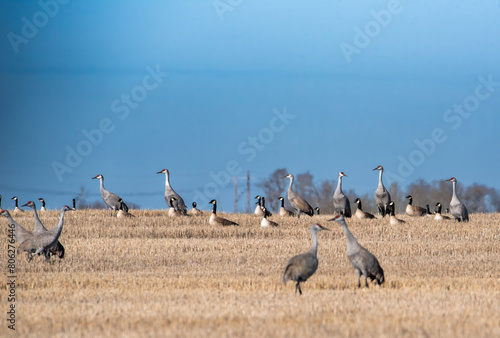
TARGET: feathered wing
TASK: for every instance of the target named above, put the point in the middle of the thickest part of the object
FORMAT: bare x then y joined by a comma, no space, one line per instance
301,204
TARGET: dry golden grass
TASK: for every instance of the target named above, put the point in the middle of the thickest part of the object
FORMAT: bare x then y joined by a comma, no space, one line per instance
158,276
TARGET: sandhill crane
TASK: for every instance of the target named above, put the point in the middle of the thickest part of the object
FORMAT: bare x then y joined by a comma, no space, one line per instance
266,212
265,222
299,268
40,229
258,209
194,211
74,204
20,233
457,208
382,196
414,210
297,202
111,200
216,220
283,211
438,216
169,192
360,214
341,204
392,216
362,260
44,241
318,210
121,212
16,209
43,204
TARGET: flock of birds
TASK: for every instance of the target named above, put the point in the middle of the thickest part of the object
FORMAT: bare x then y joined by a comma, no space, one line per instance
298,269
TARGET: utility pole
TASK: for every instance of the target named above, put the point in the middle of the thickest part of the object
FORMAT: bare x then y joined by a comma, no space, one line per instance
235,194
248,191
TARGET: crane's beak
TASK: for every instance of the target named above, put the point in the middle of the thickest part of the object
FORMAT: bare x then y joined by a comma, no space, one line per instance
95,177
24,205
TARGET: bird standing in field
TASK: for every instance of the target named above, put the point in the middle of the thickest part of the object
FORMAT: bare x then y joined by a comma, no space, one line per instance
392,216
341,204
258,208
74,204
412,210
363,261
457,208
438,216
297,202
17,209
284,212
110,199
360,214
42,209
318,210
216,220
382,196
169,193
43,242
299,268
264,209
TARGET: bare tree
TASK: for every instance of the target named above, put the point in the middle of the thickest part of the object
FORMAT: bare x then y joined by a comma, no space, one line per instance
273,187
305,187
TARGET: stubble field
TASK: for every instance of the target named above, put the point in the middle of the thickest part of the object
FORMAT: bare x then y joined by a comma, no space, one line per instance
155,275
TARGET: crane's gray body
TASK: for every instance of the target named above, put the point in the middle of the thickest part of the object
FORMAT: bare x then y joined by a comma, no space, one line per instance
363,261
170,192
111,200
341,204
297,202
20,233
457,208
382,196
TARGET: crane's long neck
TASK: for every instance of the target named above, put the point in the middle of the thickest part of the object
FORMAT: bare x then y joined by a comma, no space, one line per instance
37,219
314,247
380,183
290,185
454,196
101,180
60,224
351,240
167,180
339,184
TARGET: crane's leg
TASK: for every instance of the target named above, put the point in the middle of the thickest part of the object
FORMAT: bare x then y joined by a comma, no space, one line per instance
366,281
358,272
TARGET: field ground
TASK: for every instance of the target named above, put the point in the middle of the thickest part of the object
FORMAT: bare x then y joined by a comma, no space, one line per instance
158,276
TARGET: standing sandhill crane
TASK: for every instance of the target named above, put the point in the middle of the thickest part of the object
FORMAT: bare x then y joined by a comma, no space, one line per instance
341,204
362,260
414,210
265,222
42,209
360,214
74,204
16,209
297,202
20,233
111,200
382,196
194,211
283,211
457,208
40,229
392,216
438,216
258,209
216,220
45,241
121,212
169,193
299,268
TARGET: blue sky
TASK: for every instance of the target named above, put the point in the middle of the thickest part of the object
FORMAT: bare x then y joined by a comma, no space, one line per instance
323,86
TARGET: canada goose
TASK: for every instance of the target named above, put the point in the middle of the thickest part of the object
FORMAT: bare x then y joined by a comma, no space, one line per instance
111,200
194,211
264,209
299,268
382,196
392,217
457,208
341,204
216,220
414,210
169,192
266,223
297,202
360,214
17,209
42,209
122,213
74,204
175,206
258,208
438,216
317,209
428,211
283,211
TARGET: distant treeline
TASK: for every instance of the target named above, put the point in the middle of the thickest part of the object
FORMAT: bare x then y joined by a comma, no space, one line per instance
477,197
